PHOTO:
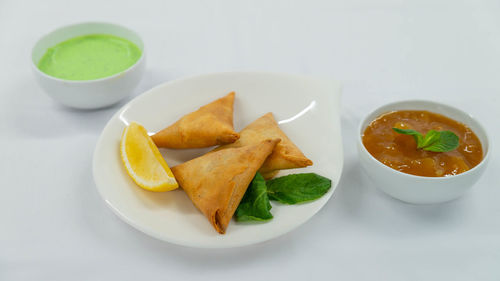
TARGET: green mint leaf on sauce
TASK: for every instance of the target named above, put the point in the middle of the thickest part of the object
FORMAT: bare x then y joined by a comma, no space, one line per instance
298,188
416,135
448,141
254,205
431,138
436,141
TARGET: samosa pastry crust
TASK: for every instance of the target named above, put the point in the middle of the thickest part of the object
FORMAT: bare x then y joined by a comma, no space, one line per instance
286,154
270,175
210,125
217,181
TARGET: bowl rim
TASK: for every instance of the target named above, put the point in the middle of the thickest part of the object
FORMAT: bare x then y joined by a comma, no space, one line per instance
363,149
43,74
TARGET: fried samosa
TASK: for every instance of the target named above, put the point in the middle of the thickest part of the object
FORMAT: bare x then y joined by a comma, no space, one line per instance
210,125
270,175
286,154
217,181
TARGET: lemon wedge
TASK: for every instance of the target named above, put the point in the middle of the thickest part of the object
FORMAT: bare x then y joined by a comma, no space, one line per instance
143,160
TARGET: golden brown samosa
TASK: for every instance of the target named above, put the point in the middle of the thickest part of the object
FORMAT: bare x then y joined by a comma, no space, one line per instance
217,181
270,175
286,154
210,125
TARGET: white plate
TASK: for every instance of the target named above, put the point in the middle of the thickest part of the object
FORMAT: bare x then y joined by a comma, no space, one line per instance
308,111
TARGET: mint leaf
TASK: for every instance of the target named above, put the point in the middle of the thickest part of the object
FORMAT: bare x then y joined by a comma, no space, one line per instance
436,141
416,135
298,188
254,205
448,141
430,138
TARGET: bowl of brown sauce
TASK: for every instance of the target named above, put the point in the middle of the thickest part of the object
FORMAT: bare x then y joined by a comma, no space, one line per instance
422,152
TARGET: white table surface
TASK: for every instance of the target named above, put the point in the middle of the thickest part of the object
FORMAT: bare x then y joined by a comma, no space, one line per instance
54,225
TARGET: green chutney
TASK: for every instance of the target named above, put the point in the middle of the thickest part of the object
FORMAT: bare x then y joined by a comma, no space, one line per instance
89,57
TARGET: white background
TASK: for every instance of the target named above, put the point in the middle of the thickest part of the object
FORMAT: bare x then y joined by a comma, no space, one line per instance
54,225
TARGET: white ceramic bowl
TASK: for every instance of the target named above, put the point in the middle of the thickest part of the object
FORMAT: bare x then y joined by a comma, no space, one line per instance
418,189
89,93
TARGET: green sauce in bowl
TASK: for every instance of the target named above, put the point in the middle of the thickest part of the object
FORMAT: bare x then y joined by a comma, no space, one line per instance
89,57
